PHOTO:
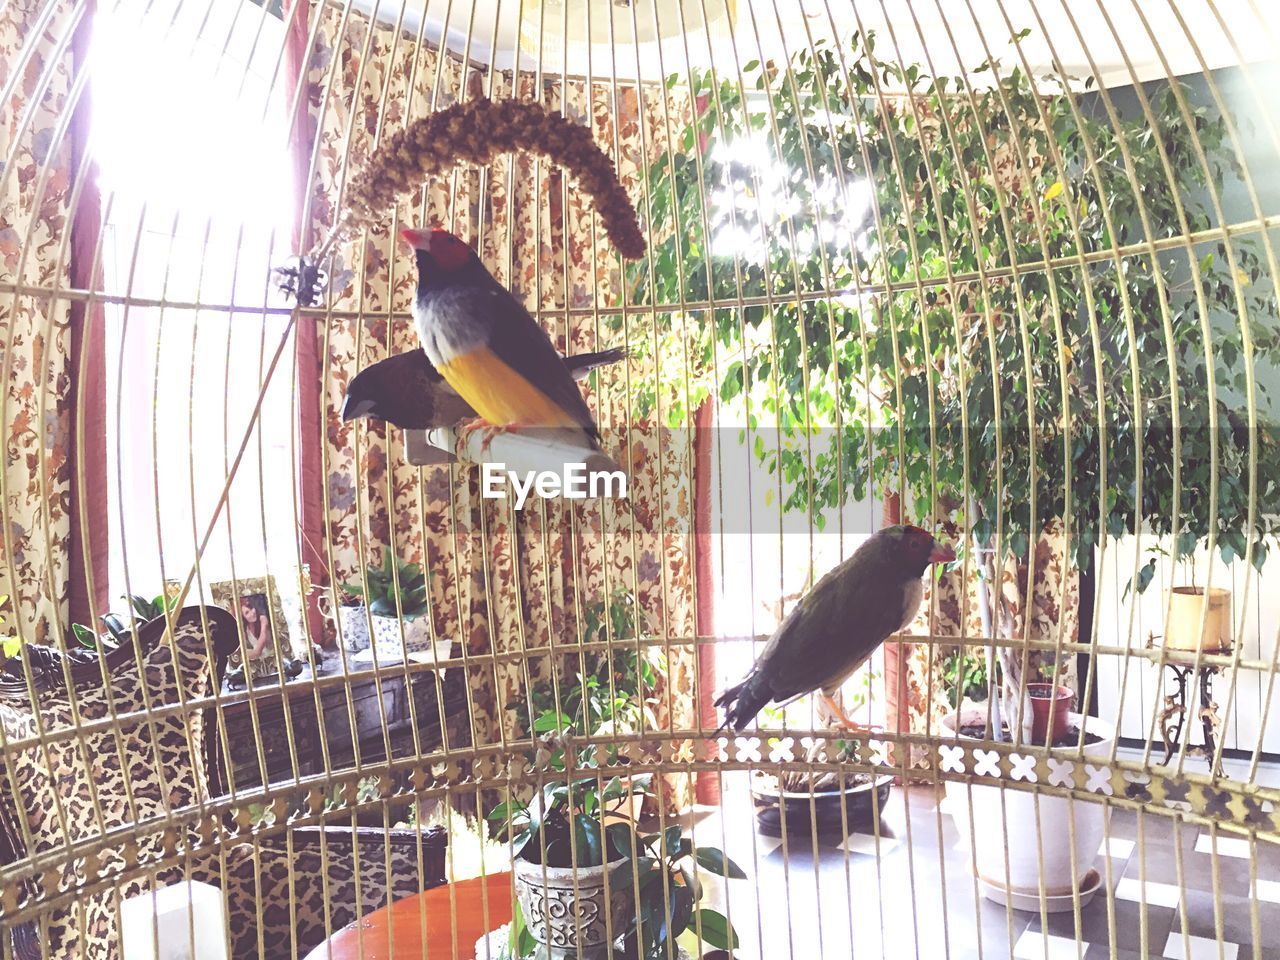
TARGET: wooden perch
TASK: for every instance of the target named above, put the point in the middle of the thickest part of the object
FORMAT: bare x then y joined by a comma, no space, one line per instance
523,454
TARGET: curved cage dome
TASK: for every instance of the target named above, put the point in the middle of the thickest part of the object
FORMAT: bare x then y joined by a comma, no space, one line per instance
708,477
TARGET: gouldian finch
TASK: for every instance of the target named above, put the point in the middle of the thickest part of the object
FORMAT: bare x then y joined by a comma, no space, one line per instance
407,391
487,346
838,624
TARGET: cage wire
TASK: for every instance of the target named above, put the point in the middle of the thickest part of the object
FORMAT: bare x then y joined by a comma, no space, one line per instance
1004,269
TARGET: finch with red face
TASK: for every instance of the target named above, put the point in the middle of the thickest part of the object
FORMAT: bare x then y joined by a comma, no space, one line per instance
838,624
487,346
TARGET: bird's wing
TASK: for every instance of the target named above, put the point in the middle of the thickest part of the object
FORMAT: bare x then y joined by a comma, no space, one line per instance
524,349
834,629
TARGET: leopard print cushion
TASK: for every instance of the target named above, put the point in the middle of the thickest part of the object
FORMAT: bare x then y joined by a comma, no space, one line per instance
57,784
264,876
137,769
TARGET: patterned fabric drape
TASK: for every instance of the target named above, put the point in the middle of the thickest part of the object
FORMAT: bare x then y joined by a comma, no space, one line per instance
500,581
34,332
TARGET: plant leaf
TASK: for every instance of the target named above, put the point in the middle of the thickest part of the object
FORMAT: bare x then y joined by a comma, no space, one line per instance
682,899
550,721
619,835
590,843
84,636
671,840
521,942
716,929
520,842
715,861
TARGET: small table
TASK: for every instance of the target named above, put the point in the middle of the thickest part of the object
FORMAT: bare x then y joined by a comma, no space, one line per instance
423,925
1174,715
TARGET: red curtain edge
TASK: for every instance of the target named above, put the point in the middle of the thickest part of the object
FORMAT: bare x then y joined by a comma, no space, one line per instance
87,587
707,785
310,367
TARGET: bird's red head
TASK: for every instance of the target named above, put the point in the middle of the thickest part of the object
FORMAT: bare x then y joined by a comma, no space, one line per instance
443,247
920,543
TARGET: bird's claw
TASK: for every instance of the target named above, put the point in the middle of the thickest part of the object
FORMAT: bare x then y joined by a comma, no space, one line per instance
487,429
860,731
847,724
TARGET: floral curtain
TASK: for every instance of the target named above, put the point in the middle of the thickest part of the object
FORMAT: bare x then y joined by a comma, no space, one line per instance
35,338
512,584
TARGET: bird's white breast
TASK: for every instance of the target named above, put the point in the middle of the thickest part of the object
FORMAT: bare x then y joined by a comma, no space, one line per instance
449,324
912,594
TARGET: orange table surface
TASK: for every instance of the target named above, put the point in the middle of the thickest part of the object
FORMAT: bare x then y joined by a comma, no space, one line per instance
427,926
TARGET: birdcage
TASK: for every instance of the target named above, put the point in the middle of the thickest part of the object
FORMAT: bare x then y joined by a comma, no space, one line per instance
927,602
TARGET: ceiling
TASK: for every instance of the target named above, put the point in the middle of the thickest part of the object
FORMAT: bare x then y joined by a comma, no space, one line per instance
1112,41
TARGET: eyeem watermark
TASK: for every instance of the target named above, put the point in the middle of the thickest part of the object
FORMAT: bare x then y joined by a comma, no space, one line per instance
574,482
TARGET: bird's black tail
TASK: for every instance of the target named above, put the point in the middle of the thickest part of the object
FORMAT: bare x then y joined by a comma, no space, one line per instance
742,702
585,362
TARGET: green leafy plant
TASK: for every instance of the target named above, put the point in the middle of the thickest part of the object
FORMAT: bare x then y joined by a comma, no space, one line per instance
118,626
574,824
964,676
602,692
887,251
394,589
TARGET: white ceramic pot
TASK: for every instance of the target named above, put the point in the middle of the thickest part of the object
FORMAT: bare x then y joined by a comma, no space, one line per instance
571,924
391,647
355,627
1011,825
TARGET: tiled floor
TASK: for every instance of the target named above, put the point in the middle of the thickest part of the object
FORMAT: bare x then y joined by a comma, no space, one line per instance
917,898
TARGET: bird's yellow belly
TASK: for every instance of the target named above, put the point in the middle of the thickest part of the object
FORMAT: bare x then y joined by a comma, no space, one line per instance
499,394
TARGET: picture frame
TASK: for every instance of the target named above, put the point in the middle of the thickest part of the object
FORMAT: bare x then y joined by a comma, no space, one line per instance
259,611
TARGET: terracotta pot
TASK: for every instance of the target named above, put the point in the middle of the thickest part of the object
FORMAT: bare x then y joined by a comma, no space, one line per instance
569,923
1187,611
1042,703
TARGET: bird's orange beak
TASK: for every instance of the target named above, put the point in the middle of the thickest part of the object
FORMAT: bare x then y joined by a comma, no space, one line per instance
418,239
942,553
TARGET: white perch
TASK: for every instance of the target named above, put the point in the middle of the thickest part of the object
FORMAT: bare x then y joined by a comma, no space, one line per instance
523,453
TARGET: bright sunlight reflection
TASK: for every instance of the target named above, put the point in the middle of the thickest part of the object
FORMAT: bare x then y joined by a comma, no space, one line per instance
185,126
192,152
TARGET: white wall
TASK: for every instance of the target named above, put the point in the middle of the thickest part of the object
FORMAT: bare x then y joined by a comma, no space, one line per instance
1127,621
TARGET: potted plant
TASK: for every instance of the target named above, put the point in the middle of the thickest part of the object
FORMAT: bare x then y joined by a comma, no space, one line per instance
580,876
394,596
801,798
353,621
609,693
1004,823
1199,619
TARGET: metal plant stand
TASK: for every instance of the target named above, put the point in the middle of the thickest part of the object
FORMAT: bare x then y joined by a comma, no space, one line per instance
1173,717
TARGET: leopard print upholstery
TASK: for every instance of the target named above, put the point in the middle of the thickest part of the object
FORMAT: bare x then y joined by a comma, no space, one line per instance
315,877
138,768
141,768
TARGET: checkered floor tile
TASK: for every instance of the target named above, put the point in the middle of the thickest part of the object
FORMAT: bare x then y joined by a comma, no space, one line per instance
1175,893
